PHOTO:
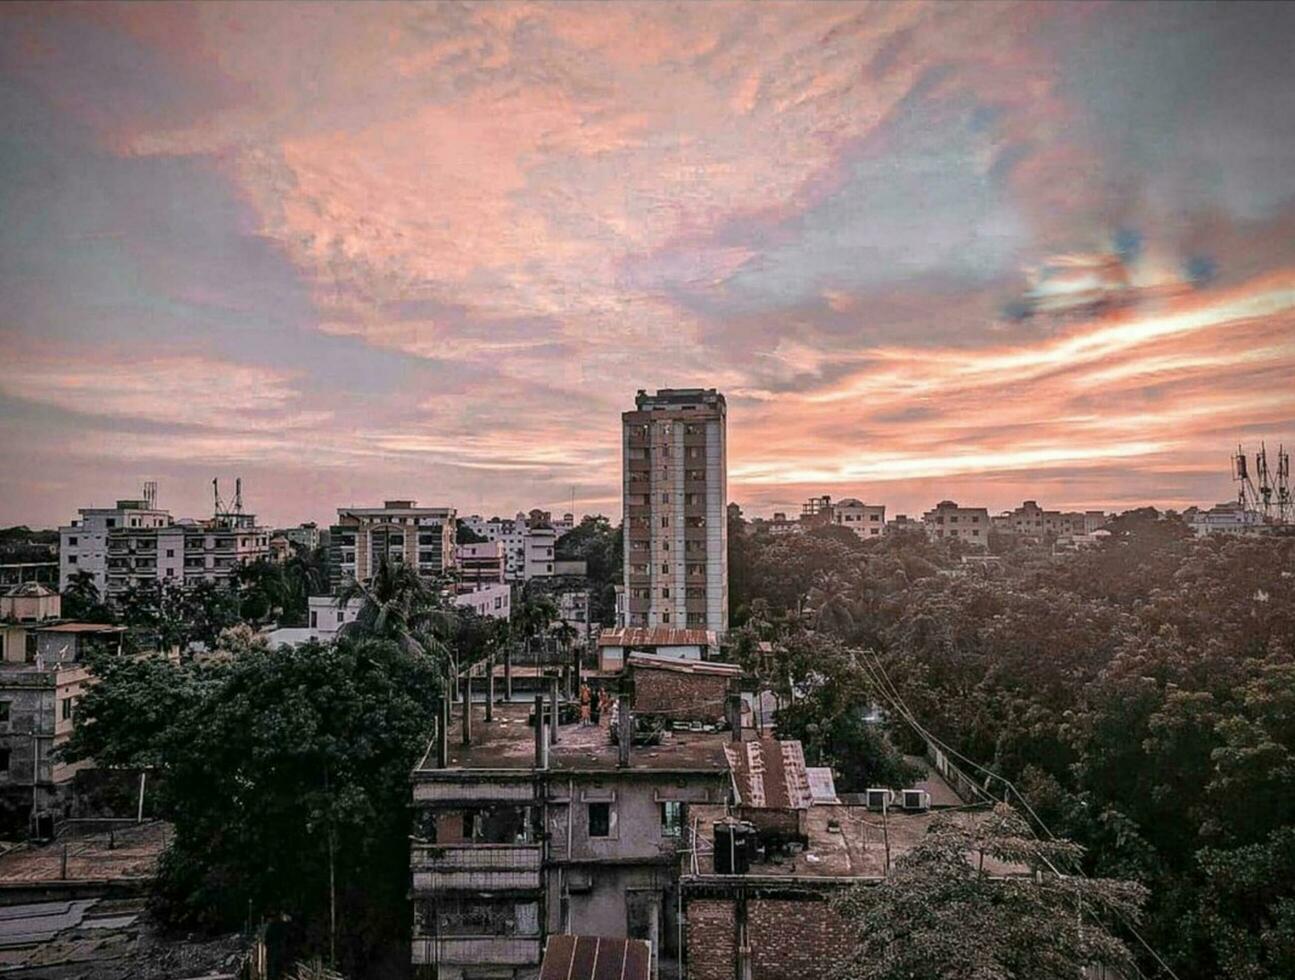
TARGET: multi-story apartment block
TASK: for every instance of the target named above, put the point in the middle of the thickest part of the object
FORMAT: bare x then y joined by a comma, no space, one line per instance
1031,521
185,553
675,504
83,544
479,565
303,535
865,520
948,520
398,531
528,542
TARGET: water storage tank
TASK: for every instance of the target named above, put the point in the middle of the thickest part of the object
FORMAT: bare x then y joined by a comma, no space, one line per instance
735,842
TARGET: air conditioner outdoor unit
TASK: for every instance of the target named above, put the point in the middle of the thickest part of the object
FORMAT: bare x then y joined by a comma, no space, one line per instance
879,799
916,799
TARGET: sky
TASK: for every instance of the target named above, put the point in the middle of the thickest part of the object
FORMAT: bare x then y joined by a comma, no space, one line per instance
354,252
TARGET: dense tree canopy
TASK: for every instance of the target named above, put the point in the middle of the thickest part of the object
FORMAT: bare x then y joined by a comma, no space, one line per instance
1138,694
275,769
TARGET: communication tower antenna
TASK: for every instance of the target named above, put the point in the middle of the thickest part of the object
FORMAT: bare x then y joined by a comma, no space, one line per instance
215,493
150,494
1285,510
1247,497
1265,481
238,495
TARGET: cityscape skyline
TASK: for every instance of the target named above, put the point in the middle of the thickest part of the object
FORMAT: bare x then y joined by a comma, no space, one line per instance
975,252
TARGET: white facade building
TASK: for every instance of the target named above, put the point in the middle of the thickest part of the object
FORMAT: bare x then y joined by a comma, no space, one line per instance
83,544
948,520
865,520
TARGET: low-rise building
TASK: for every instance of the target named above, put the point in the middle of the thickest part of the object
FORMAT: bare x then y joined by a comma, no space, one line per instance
1229,517
523,832
528,542
615,646
30,603
948,520
479,565
865,520
42,676
306,536
494,601
902,522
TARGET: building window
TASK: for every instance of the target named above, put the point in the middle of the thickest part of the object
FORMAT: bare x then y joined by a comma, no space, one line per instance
4,712
665,617
71,541
665,520
340,614
4,760
665,568
665,593
600,819
314,619
67,708
672,819
71,559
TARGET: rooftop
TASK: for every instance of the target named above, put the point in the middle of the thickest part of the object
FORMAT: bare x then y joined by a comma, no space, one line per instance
124,853
769,773
845,841
81,628
656,636
508,742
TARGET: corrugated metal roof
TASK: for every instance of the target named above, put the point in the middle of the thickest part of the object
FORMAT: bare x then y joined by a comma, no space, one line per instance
657,636
770,773
822,786
650,662
595,958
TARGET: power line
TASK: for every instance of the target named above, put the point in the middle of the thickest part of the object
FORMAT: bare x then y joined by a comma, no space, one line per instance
887,687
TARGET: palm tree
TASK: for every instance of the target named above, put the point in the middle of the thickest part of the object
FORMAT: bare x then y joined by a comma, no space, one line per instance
398,605
565,634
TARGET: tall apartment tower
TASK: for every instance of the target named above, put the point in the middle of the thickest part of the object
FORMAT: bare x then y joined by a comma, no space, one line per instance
675,478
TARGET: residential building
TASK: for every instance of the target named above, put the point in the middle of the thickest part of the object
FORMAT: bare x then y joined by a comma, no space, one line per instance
781,524
398,532
184,554
42,676
522,833
305,536
20,572
479,565
29,603
865,520
902,522
1032,521
948,520
1229,517
528,542
816,511
83,544
494,601
280,549
675,490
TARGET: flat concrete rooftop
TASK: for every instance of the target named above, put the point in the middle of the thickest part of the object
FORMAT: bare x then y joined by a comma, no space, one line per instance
845,841
508,742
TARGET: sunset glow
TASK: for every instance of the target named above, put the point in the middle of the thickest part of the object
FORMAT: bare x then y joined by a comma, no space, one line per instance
353,252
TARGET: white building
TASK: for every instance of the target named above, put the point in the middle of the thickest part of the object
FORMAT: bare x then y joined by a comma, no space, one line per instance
326,617
528,543
184,553
1229,517
494,601
948,520
865,520
83,544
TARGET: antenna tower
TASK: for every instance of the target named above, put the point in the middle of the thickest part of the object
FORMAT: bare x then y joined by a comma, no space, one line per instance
219,505
150,494
238,495
1247,496
1285,507
1265,480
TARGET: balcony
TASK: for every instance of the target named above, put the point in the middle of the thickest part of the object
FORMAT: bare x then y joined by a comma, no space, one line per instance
476,867
476,950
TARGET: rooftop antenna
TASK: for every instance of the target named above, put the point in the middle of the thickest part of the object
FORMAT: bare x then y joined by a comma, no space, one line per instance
150,494
1265,481
215,493
1247,496
238,495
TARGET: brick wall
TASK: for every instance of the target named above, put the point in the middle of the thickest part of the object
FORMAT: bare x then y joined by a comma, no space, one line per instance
790,940
712,951
793,940
679,695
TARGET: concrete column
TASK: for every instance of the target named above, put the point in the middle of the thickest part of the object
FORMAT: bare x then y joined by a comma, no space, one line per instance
467,708
624,730
490,689
541,736
553,706
443,733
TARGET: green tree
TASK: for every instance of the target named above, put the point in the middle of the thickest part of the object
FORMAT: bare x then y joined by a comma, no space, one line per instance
82,601
285,775
952,907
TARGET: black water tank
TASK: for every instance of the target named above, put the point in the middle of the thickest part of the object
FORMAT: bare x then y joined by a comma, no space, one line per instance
734,844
